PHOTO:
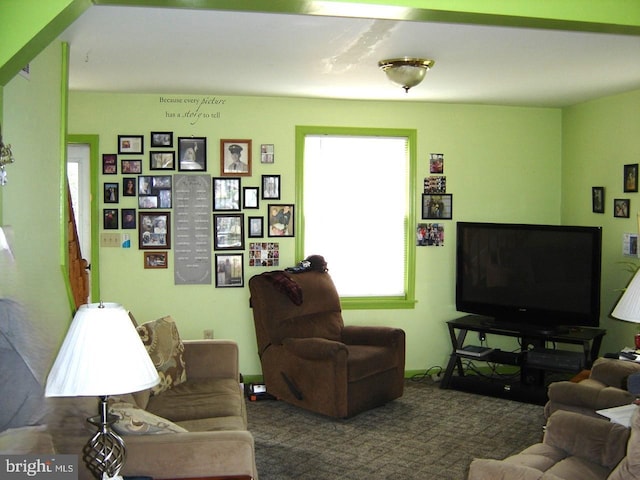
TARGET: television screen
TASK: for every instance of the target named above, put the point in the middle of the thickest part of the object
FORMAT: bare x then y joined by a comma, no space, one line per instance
530,275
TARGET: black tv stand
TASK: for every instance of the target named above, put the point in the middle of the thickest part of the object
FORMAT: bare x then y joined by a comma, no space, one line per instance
529,385
498,324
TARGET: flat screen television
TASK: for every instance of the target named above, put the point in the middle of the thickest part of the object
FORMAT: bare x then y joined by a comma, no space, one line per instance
540,277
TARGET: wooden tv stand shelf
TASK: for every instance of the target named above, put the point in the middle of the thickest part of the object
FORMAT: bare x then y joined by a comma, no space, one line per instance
530,386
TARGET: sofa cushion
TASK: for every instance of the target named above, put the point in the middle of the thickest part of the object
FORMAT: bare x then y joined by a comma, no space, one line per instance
162,340
198,399
215,424
135,421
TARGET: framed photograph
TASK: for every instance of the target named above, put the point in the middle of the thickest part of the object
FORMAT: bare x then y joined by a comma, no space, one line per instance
154,230
235,157
267,153
129,187
437,206
271,187
111,193
162,160
228,232
155,191
597,199
281,220
156,259
250,197
110,218
264,254
256,227
162,139
226,194
436,163
109,164
631,178
192,154
130,144
621,207
229,270
131,166
128,218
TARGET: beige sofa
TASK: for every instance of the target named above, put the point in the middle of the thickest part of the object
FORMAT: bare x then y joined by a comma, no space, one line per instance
575,447
195,427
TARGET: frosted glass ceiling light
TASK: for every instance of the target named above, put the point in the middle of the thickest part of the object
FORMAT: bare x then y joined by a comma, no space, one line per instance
406,72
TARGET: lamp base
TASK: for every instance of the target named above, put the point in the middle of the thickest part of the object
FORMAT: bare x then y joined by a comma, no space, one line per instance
104,454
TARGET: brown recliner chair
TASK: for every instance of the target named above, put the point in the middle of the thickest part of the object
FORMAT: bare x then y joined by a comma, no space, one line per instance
310,358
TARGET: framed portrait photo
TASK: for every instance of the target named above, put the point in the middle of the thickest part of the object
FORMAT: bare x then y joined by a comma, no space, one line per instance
271,187
162,160
228,232
267,153
156,259
256,227
162,139
129,187
131,166
235,157
621,207
229,270
597,199
250,197
110,218
226,194
109,164
111,193
128,218
130,144
154,230
192,154
281,220
437,206
631,178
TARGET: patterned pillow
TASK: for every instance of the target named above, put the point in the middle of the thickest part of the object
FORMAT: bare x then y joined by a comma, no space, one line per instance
135,421
166,350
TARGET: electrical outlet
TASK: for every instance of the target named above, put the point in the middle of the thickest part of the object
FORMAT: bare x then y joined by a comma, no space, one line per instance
207,334
110,240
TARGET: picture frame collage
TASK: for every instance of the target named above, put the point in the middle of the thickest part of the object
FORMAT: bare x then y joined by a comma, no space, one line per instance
147,176
437,204
621,206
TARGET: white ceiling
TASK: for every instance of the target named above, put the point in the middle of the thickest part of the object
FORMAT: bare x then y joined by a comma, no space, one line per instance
163,50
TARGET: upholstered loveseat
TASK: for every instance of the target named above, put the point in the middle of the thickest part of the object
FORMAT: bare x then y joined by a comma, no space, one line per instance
193,425
575,447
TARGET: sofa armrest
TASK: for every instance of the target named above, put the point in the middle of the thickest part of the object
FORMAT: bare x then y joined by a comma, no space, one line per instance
586,395
613,372
369,335
587,437
211,359
189,455
313,348
490,469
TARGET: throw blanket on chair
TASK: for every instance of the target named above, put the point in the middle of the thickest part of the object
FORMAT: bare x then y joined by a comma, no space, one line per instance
285,284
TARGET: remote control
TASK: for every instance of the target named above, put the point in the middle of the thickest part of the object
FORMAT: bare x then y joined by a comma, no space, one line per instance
629,355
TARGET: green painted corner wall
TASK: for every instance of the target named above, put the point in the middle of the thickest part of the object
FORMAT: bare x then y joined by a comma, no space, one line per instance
501,164
599,138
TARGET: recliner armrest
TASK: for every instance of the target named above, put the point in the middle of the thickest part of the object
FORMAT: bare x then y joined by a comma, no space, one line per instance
369,335
613,372
587,396
587,437
313,348
211,359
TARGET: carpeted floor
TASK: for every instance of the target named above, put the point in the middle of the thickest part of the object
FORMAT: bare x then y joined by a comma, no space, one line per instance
428,434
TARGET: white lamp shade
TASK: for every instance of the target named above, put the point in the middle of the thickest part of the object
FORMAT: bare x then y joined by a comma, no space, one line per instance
102,354
628,307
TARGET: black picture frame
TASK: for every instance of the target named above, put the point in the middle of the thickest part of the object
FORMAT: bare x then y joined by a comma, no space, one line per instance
229,270
437,206
192,154
250,197
255,227
226,194
130,144
597,199
228,231
630,179
110,218
271,187
131,166
109,164
162,160
128,218
129,187
621,207
161,139
154,230
111,192
281,220
155,191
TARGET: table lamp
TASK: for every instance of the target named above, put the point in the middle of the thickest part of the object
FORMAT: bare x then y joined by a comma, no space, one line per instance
628,307
101,355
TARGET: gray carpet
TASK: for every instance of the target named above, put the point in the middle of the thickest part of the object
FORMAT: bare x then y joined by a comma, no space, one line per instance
427,434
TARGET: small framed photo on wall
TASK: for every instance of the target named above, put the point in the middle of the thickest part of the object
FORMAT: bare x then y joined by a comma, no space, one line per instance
271,187
131,166
436,163
162,139
128,218
109,164
281,220
267,153
597,199
437,206
250,197
156,259
129,187
256,227
631,178
162,160
228,232
130,144
154,230
235,157
226,194
192,154
229,270
111,193
621,207
110,218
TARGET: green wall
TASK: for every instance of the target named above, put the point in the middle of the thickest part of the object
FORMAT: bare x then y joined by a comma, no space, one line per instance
32,114
599,138
501,164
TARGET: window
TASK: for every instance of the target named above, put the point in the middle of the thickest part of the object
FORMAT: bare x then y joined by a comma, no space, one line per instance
355,192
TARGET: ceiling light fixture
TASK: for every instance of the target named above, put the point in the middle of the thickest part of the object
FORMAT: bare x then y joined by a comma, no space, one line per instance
406,72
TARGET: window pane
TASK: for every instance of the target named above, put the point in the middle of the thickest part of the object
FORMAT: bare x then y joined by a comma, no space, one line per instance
355,206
